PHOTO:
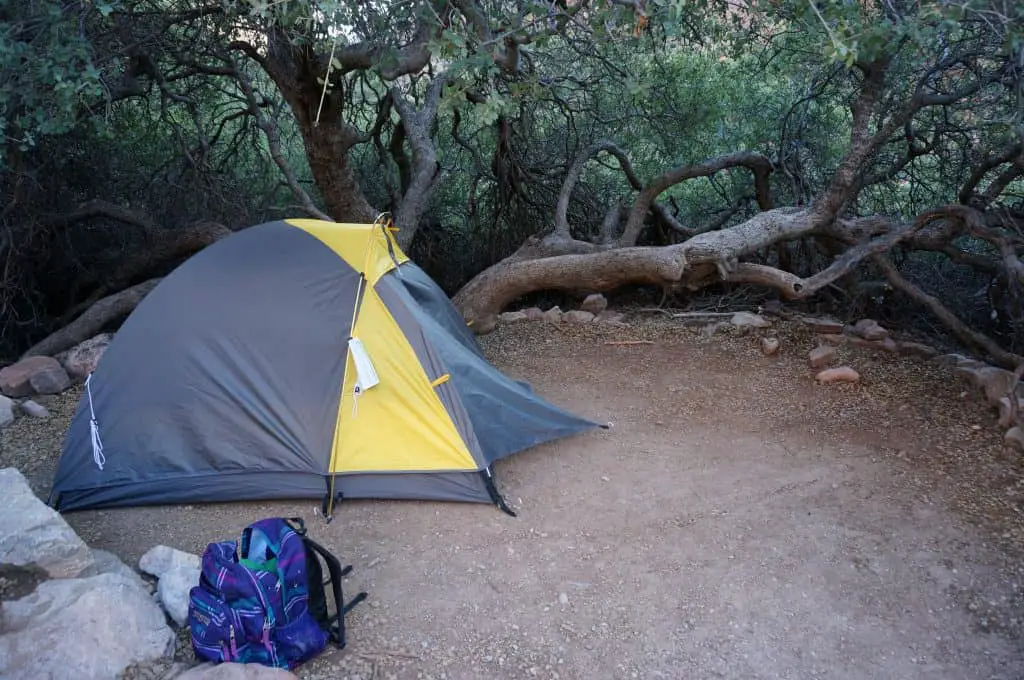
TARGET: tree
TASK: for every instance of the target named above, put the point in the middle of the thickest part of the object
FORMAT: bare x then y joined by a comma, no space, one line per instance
899,85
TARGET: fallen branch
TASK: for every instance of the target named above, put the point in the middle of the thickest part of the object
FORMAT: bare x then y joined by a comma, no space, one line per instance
969,336
93,320
630,342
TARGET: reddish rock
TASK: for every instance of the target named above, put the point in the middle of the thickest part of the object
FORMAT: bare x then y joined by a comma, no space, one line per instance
821,356
838,374
870,330
16,379
769,346
829,326
82,359
578,316
595,304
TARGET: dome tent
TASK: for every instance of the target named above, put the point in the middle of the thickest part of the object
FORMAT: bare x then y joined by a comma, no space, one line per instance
297,359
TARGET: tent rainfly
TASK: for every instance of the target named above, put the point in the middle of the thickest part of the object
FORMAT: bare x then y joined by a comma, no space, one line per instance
297,359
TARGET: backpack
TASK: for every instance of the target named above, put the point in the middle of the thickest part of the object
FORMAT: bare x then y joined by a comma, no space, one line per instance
262,600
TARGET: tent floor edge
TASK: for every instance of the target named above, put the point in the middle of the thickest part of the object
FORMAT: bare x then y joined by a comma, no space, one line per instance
496,496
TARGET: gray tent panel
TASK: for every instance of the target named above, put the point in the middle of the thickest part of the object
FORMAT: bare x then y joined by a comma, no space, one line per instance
210,381
506,415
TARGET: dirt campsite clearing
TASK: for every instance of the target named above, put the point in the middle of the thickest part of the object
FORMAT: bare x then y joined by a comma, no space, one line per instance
738,521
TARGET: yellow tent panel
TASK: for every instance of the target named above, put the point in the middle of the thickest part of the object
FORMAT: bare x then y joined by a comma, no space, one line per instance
367,248
400,423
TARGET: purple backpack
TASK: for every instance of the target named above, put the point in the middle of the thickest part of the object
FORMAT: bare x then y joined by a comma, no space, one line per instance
262,601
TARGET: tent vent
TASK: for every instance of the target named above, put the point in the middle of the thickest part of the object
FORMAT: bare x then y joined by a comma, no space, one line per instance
366,375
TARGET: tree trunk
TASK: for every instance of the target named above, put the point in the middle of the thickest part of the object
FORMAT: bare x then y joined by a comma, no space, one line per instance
93,320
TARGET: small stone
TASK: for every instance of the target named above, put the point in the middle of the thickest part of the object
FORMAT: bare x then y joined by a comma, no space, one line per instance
838,374
769,346
870,330
595,304
578,316
512,317
33,409
821,325
821,356
749,320
533,313
162,559
6,411
553,315
563,598
1014,438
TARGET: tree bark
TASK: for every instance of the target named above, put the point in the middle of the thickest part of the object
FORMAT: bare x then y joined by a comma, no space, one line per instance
545,264
93,320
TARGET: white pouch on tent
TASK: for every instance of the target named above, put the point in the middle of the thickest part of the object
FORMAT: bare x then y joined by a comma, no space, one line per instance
366,375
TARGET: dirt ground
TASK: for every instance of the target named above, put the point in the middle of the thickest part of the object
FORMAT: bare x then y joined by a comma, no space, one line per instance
737,521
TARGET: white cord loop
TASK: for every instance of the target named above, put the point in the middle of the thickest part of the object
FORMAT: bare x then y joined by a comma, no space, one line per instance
94,428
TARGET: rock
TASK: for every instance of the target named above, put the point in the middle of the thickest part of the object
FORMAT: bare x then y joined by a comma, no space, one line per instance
821,356
749,320
15,380
1014,438
97,626
563,598
1005,415
917,349
594,303
769,346
869,330
553,315
6,411
33,409
820,325
235,671
512,317
172,592
162,559
52,379
104,562
578,316
533,313
32,532
611,318
82,359
993,382
838,374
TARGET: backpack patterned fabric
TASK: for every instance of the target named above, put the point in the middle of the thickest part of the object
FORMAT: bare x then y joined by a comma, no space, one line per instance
252,601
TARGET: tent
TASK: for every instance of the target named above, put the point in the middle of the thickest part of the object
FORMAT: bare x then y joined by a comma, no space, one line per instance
297,359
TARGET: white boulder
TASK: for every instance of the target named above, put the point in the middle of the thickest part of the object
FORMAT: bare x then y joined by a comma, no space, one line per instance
83,628
32,532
